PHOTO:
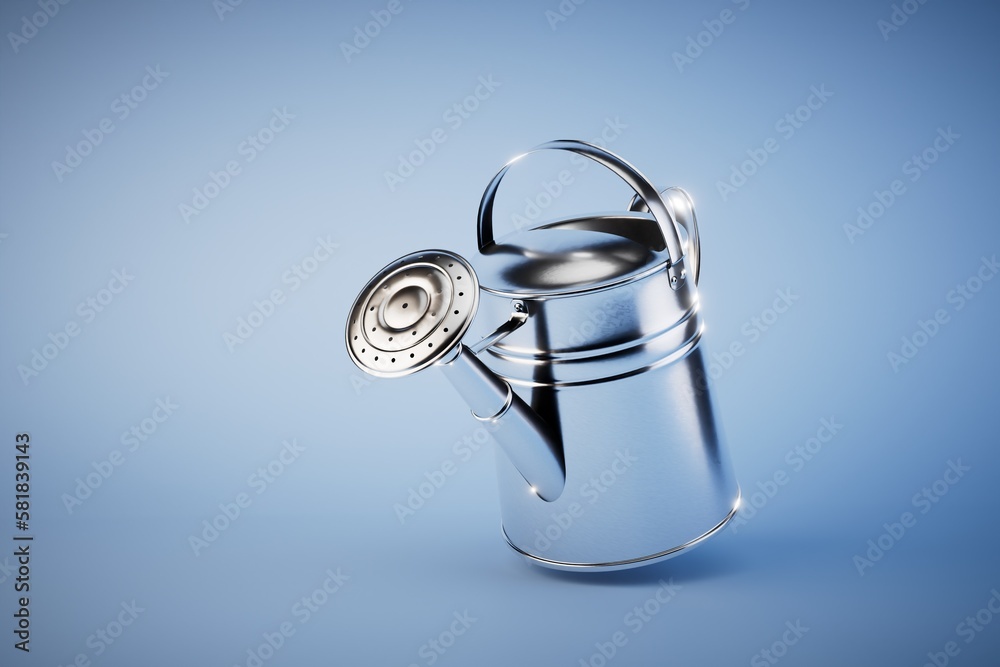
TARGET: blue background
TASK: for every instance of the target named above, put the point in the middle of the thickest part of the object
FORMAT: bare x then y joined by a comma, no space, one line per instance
366,444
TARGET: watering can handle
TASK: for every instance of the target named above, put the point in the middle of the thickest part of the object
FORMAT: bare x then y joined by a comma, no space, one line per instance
643,188
684,215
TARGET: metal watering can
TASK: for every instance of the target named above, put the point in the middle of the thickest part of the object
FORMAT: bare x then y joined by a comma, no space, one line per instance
589,369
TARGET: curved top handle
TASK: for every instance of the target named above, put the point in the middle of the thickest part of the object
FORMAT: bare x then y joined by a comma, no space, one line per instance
643,188
682,209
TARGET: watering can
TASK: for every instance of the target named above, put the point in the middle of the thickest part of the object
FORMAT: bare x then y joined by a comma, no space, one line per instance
587,365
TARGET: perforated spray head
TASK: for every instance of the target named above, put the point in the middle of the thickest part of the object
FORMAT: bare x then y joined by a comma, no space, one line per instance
412,313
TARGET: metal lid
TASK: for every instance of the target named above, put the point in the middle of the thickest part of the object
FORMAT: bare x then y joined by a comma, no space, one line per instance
412,313
565,257
570,256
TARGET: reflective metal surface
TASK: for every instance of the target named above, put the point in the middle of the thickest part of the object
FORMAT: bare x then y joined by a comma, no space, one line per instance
411,313
589,360
681,208
535,457
647,470
669,239
626,564
549,262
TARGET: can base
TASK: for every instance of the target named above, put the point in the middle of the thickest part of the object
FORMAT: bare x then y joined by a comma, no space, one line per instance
624,564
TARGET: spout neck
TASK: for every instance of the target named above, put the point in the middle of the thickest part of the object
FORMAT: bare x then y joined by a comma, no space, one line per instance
523,436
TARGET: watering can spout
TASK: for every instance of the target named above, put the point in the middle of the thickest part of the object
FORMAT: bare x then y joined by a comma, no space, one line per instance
520,432
412,315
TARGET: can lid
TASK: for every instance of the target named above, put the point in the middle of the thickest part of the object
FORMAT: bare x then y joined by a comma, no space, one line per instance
552,275
570,256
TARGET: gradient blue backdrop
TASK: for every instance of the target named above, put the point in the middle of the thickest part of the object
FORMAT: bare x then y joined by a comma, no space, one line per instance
365,445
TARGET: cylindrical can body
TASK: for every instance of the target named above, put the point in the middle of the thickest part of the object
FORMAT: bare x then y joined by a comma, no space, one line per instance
618,376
